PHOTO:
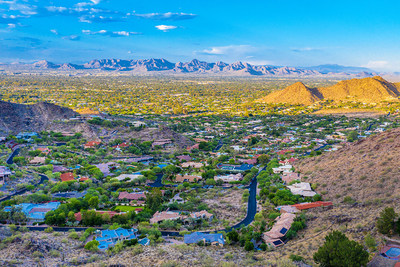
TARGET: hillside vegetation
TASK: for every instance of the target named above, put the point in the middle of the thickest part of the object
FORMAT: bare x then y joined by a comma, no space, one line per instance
367,90
364,171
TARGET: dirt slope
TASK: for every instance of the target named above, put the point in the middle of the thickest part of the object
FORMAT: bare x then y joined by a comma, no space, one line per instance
367,170
15,118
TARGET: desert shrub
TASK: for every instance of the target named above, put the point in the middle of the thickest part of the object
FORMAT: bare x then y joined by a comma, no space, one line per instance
92,245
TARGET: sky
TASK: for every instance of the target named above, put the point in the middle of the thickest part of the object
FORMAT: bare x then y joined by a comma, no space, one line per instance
263,32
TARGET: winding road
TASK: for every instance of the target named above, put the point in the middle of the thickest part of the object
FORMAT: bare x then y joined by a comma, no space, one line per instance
251,207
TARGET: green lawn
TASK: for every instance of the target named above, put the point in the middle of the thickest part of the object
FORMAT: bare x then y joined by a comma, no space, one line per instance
126,208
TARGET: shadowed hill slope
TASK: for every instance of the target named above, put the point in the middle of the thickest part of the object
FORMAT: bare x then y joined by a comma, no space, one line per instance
366,171
17,117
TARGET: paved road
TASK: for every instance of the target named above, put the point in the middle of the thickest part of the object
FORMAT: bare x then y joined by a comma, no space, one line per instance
251,210
251,207
158,182
10,159
218,147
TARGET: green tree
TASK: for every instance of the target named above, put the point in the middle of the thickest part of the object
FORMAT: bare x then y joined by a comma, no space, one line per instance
248,246
233,236
94,202
210,182
263,159
386,221
92,245
154,199
338,250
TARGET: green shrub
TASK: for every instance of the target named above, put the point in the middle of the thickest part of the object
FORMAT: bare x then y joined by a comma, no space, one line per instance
92,245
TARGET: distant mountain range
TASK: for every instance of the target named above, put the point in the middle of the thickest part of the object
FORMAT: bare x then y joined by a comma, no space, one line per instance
193,67
366,90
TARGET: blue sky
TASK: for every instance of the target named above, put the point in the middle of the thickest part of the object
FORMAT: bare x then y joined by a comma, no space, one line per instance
291,33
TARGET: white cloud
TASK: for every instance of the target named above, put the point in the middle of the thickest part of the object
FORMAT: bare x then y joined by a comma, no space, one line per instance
230,49
165,16
54,31
72,37
166,28
110,33
377,64
11,25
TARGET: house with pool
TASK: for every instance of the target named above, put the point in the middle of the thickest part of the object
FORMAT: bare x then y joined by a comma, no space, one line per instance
108,238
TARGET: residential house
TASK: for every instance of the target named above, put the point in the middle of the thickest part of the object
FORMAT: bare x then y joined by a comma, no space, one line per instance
4,172
139,159
108,238
229,177
190,148
128,177
73,194
191,164
187,178
303,189
38,161
131,196
91,144
177,215
165,215
184,157
282,225
213,239
121,146
37,212
234,168
68,176
283,169
27,136
57,168
287,209
164,143
289,177
201,215
305,206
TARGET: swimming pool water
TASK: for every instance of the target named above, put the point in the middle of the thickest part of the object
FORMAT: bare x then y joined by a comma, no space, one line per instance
393,252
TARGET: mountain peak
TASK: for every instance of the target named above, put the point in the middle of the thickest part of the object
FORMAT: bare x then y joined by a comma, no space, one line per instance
366,90
297,93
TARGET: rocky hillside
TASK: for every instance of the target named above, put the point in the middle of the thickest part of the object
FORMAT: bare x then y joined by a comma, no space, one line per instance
366,90
366,171
15,118
296,93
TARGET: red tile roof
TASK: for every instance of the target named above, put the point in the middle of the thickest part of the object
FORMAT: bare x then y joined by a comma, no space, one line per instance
131,196
68,176
305,206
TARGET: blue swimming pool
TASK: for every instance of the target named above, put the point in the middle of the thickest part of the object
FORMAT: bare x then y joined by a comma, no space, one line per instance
393,252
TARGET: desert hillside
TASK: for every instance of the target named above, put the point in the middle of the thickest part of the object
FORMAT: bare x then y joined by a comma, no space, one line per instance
367,90
366,171
15,118
296,93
